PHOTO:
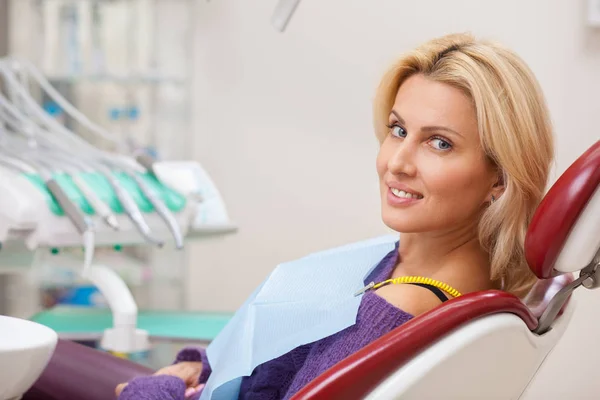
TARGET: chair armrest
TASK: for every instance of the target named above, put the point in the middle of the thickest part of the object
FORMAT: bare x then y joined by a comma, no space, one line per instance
79,372
358,374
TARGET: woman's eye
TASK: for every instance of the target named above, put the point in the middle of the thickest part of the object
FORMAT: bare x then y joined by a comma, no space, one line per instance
440,144
397,131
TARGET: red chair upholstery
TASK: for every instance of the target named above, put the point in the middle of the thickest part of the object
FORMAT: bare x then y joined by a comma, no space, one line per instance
565,202
359,373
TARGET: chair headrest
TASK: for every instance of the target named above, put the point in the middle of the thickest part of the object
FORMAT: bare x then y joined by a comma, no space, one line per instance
564,234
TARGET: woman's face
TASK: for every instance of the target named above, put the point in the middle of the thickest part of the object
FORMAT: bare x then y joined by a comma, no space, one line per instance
434,176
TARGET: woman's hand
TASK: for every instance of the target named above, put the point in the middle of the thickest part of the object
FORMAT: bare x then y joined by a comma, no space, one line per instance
188,371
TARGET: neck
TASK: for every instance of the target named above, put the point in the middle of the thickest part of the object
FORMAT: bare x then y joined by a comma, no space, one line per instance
442,254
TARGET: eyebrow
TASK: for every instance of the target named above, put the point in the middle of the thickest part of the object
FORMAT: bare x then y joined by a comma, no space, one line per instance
426,128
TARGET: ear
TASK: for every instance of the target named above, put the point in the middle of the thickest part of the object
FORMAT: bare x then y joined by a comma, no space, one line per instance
497,188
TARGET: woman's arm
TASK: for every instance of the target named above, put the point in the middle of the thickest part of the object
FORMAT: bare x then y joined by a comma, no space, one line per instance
195,354
185,376
155,387
272,379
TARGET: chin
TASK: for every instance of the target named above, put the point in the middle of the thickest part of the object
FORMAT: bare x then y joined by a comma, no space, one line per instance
403,225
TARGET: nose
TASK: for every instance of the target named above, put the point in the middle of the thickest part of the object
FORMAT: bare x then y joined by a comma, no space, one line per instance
402,159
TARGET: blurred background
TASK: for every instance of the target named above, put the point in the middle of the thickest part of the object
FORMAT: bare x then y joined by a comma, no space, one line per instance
281,120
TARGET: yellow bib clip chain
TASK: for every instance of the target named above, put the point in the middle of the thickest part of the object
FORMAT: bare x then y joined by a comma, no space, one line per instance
411,279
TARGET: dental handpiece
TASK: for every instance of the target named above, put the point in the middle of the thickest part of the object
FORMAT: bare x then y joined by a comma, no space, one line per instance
82,223
134,213
162,210
145,161
71,210
99,206
129,207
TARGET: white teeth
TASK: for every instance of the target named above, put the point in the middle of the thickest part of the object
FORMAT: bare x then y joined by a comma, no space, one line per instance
402,193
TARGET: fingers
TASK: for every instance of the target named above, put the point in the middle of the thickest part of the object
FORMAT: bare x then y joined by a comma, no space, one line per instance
192,378
189,372
169,370
193,391
120,388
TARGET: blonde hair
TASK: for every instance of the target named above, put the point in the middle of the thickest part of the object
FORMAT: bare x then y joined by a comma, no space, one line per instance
515,131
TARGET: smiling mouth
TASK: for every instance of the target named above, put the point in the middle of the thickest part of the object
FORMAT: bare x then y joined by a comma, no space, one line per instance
405,195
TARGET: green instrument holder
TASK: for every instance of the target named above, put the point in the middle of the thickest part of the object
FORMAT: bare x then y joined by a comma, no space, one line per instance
100,185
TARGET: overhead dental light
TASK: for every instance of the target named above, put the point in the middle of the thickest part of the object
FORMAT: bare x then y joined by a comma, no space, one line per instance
283,13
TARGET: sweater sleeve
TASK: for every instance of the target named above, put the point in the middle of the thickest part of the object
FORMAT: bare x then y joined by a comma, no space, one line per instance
195,354
162,387
165,387
271,380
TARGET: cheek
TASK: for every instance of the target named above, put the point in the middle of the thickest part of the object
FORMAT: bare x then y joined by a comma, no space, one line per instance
381,162
386,151
461,182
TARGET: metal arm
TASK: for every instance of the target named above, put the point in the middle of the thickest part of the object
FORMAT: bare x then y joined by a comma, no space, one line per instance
589,277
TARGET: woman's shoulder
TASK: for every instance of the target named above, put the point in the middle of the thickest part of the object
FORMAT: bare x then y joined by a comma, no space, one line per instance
410,299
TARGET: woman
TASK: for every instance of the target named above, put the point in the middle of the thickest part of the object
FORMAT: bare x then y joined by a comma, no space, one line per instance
466,147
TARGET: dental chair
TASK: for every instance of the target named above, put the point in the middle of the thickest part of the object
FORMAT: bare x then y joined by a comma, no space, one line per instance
485,345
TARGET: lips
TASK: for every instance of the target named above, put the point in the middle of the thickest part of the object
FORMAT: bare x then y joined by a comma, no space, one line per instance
404,191
405,195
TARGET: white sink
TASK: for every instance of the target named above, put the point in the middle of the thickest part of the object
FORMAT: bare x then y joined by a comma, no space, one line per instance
25,349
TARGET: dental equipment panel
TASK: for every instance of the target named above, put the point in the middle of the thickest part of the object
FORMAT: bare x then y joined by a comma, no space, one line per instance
61,191
112,188
74,176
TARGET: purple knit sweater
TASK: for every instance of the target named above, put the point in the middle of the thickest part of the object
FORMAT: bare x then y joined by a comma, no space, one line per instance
282,377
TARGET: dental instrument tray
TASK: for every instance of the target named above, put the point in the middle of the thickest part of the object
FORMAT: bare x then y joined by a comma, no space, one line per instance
31,213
